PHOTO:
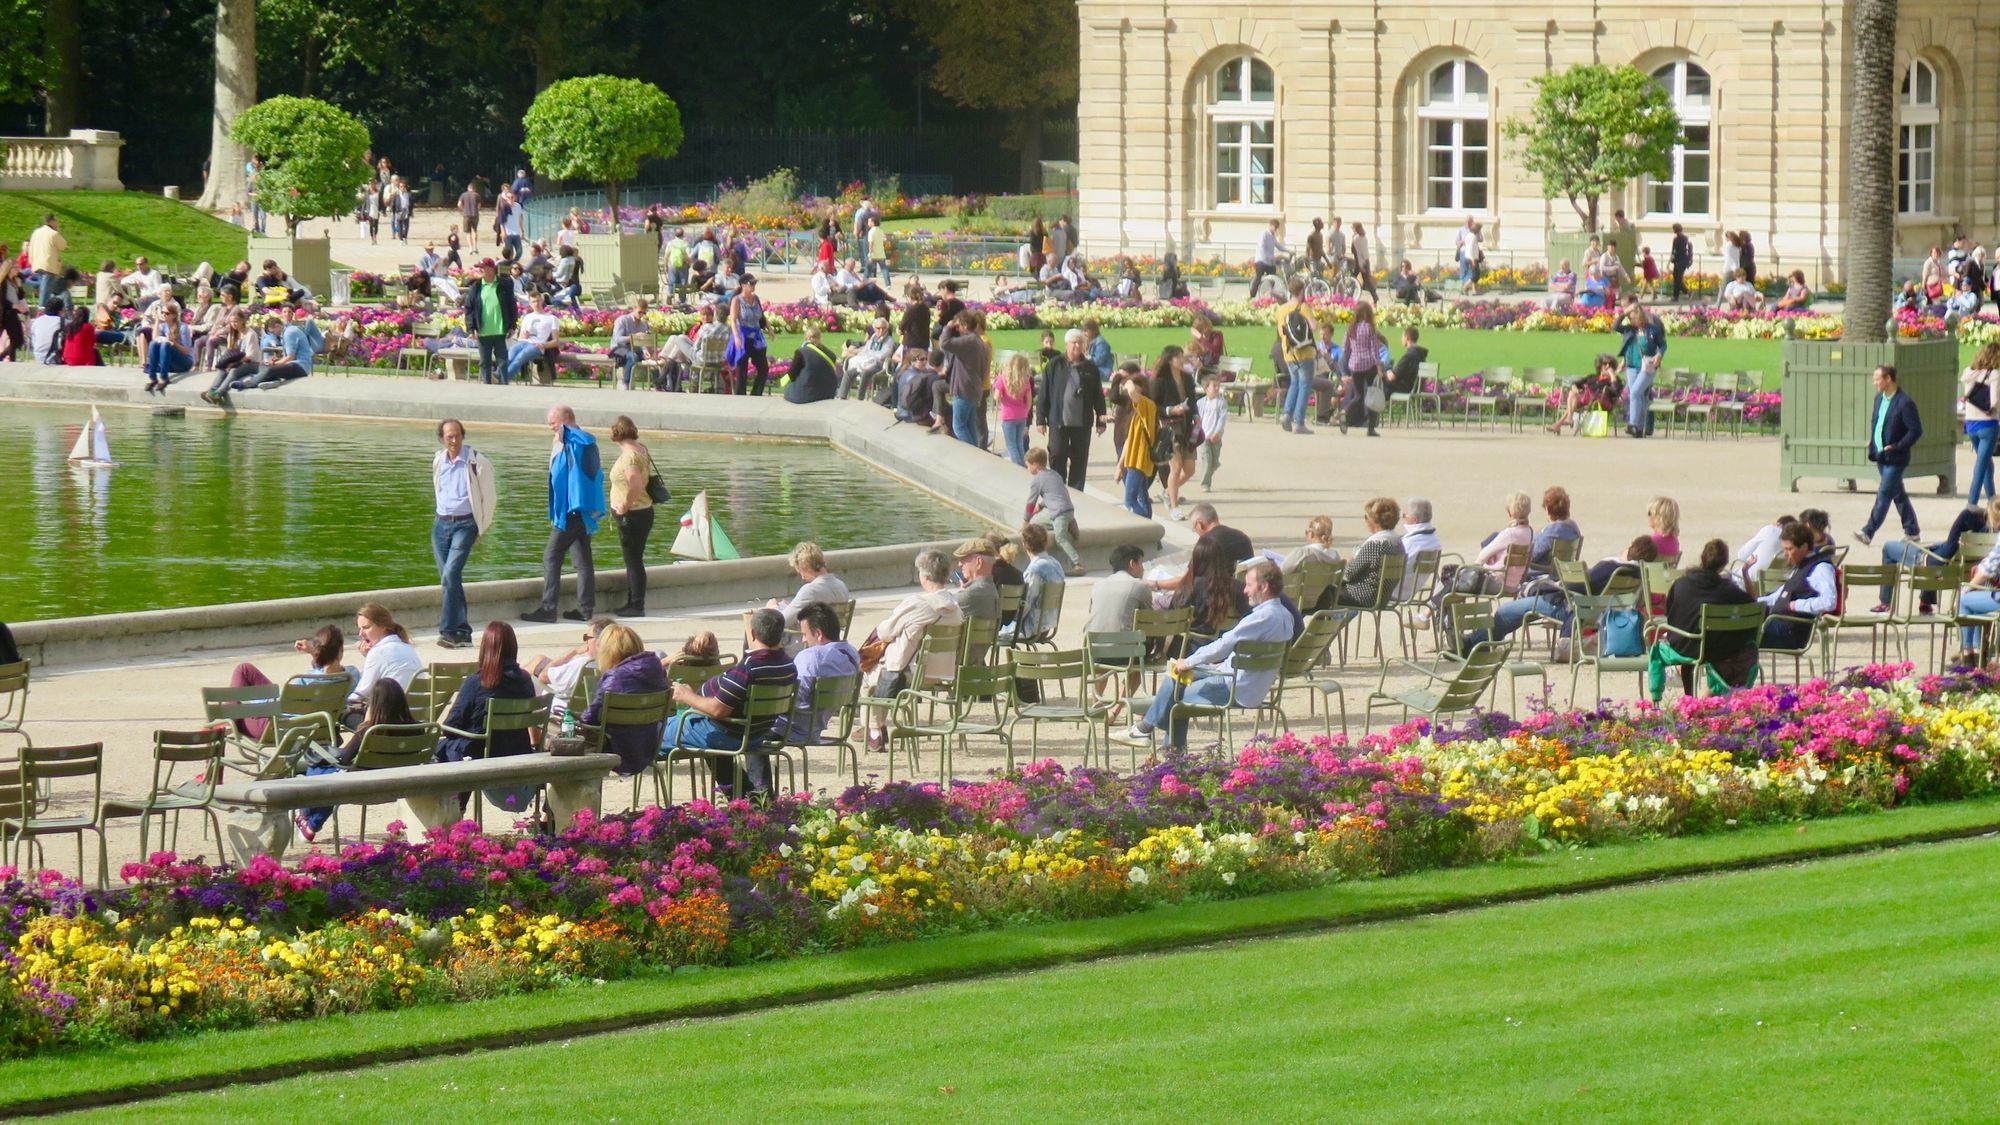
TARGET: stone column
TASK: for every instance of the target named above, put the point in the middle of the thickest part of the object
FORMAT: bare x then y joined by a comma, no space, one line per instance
96,156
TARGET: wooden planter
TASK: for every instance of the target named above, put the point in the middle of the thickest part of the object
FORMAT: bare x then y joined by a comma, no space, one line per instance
1828,394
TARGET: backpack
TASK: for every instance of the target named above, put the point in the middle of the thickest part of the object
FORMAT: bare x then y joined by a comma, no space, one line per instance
1298,330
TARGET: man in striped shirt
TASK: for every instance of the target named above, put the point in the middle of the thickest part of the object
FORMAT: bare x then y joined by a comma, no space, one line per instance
710,719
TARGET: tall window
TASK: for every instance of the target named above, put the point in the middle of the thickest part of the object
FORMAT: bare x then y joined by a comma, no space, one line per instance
1685,189
1456,120
1916,141
1242,125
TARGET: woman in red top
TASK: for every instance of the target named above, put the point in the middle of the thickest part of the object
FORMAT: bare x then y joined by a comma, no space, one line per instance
826,244
79,339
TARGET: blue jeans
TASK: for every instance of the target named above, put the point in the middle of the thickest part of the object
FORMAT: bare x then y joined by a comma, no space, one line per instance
520,354
1891,491
965,419
1638,395
1211,690
452,538
1971,604
45,284
697,729
1902,553
1138,492
1982,459
164,360
625,367
1015,434
1298,391
316,818
1510,617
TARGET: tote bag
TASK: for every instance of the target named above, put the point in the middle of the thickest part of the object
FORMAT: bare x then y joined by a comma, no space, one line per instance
1595,423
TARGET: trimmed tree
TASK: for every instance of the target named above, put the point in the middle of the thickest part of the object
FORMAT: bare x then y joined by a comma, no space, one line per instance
1871,172
1593,128
314,156
599,128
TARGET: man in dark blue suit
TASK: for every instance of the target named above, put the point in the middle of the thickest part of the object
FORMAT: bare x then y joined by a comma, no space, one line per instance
1893,430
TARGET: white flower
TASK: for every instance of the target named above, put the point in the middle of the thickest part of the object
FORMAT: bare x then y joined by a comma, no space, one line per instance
1137,875
1229,878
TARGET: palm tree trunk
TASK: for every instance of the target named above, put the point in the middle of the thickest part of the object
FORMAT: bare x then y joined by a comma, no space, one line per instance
1871,172
235,91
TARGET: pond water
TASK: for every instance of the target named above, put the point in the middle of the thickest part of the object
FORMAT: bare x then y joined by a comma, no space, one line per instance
209,509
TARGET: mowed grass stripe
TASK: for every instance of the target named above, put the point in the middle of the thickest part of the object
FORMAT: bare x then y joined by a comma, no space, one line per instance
134,1071
1854,988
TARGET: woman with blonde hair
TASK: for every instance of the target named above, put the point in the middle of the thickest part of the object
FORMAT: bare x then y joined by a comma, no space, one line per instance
1663,521
1014,386
1979,388
627,668
632,508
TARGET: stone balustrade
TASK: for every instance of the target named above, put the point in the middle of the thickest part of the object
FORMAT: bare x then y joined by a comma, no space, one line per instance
87,158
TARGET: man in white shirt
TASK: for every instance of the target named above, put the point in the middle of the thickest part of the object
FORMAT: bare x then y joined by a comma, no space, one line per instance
45,333
823,286
144,281
1811,590
1266,261
462,483
1220,683
1740,295
535,338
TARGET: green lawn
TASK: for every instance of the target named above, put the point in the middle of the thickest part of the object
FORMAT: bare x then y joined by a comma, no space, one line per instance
343,1040
122,225
1850,989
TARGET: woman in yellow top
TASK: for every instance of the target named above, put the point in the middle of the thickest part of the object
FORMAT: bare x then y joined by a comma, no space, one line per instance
1135,465
632,507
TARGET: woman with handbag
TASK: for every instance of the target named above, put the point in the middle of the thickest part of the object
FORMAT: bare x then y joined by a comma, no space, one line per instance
1979,383
1360,351
635,486
1135,393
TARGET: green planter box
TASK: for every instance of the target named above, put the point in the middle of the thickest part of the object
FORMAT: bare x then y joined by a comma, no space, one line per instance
1828,392
1571,245
629,261
308,260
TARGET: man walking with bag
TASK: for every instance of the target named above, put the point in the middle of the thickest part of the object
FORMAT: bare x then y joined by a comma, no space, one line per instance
576,503
462,482
1893,430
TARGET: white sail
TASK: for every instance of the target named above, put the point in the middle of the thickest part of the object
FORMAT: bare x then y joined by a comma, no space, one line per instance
694,542
93,445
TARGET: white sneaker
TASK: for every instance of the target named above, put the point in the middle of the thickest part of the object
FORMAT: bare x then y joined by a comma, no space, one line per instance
1177,514
1133,736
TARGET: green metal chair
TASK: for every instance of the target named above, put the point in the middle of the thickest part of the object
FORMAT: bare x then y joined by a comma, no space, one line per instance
1166,632
1939,585
200,749
1496,385
838,698
1308,652
1116,663
1802,655
1062,683
647,709
949,716
1248,657
387,746
1389,578
14,700
25,824
435,686
504,715
1857,586
1047,611
1450,689
1717,623
1587,614
763,704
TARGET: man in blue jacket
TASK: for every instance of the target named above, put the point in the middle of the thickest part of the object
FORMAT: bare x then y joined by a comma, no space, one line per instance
1893,430
576,503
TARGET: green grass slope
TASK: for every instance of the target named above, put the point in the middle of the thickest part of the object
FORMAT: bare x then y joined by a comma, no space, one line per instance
122,225
1851,989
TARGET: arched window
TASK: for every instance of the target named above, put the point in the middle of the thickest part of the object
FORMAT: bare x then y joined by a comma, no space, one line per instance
1456,117
1916,140
1242,127
1685,188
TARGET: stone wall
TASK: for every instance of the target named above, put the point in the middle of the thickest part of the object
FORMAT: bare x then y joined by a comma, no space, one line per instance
87,158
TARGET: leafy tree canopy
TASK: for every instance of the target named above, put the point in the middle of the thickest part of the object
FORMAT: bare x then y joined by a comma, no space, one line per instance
1593,128
314,156
28,65
599,128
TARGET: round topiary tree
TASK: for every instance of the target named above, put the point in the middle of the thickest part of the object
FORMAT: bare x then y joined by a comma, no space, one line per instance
1593,128
314,156
600,128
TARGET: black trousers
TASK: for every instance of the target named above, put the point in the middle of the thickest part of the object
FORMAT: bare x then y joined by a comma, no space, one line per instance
1356,404
492,359
1069,452
634,527
1680,282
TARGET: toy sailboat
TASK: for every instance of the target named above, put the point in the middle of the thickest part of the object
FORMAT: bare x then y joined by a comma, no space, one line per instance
701,535
92,449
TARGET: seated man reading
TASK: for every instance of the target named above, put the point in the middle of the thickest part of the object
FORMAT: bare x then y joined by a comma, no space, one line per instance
1269,619
709,721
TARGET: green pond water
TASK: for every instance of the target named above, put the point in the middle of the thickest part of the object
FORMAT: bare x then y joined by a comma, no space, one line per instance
209,510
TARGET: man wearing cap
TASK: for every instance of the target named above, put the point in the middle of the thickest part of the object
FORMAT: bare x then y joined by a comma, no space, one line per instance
976,594
489,316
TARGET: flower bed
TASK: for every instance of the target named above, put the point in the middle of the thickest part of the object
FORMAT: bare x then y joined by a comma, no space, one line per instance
188,945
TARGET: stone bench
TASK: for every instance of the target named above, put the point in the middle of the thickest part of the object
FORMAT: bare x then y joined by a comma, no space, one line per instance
431,792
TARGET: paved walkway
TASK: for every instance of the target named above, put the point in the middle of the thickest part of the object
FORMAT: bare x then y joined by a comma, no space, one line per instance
1269,485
